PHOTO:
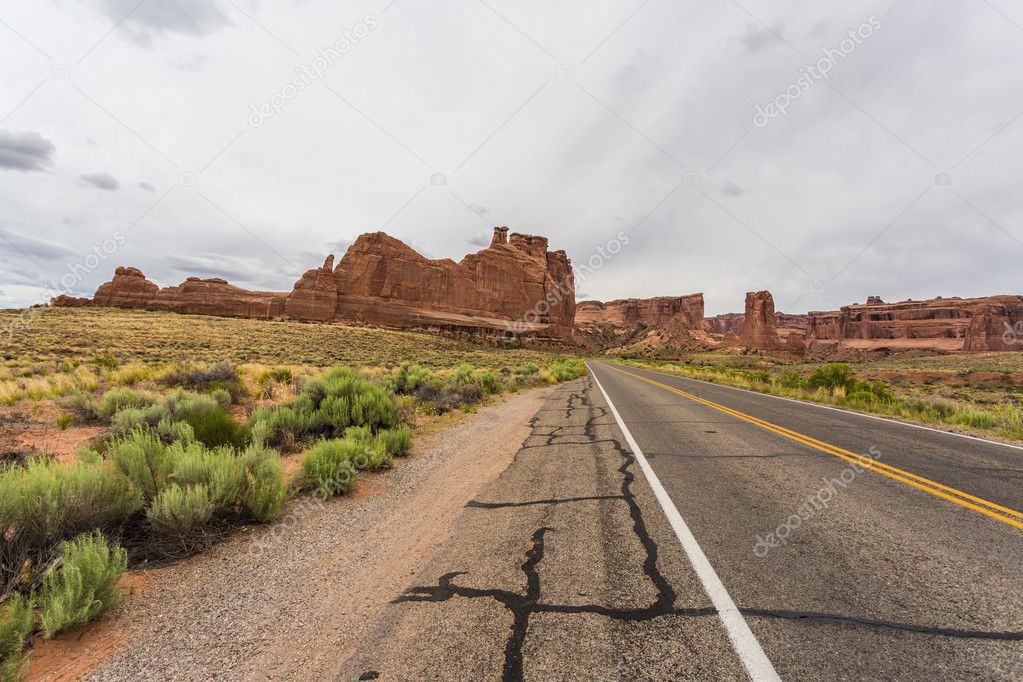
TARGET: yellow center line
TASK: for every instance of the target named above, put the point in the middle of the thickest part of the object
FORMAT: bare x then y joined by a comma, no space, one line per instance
995,511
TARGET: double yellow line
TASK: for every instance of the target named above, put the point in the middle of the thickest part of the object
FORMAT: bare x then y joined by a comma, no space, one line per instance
995,511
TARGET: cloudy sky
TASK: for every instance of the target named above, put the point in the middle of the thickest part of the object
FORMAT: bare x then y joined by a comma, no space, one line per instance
248,139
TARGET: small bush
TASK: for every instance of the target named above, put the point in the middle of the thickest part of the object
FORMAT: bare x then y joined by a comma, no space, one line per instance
117,399
106,361
81,406
794,380
444,397
830,376
564,370
47,502
83,586
982,420
488,382
262,490
526,368
328,468
64,421
396,442
326,407
408,378
223,376
15,627
180,516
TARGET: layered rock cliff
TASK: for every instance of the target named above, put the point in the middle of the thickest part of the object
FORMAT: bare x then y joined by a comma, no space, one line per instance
515,287
671,321
939,325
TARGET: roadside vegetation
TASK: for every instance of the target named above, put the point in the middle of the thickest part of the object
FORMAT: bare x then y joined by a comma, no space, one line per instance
180,453
958,392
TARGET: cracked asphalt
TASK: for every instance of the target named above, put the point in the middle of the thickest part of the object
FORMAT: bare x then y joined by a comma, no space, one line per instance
566,567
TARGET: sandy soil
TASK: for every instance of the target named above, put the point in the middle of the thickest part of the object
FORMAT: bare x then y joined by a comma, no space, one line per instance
294,599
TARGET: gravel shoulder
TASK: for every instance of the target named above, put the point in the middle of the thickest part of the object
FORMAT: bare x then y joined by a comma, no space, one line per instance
294,599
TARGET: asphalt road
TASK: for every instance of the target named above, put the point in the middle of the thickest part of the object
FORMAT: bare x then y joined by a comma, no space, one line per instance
842,569
690,531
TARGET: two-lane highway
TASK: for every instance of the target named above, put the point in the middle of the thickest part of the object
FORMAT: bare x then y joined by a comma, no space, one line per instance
853,547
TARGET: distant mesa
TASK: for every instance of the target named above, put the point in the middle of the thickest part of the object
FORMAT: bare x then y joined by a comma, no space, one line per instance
518,288
515,287
859,331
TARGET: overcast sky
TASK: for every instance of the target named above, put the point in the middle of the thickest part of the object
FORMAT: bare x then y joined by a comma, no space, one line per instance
138,131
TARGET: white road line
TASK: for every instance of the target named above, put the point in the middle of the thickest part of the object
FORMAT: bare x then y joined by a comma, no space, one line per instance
745,643
851,413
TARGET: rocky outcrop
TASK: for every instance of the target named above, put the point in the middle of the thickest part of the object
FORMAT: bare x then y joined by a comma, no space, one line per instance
759,326
652,312
666,321
938,325
128,289
315,295
515,287
215,296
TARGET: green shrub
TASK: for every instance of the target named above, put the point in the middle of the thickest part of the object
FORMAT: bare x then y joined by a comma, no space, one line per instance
106,361
81,406
526,368
488,381
64,421
45,503
326,407
982,420
83,586
16,623
564,370
222,376
794,380
180,516
396,442
328,467
830,376
444,397
408,378
117,399
262,490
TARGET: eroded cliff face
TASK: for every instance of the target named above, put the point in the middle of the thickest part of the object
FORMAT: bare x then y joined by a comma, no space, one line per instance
666,321
652,312
938,325
515,287
128,289
760,326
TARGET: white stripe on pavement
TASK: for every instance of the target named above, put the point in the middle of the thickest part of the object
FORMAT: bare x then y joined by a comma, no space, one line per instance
743,640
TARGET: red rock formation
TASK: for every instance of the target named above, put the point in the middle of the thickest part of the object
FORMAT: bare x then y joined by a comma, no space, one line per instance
514,286
315,295
215,296
652,312
67,301
665,321
759,327
128,289
939,325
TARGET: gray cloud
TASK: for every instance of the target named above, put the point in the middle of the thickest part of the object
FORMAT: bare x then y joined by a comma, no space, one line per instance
146,186
829,184
104,181
731,189
155,18
757,38
25,151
